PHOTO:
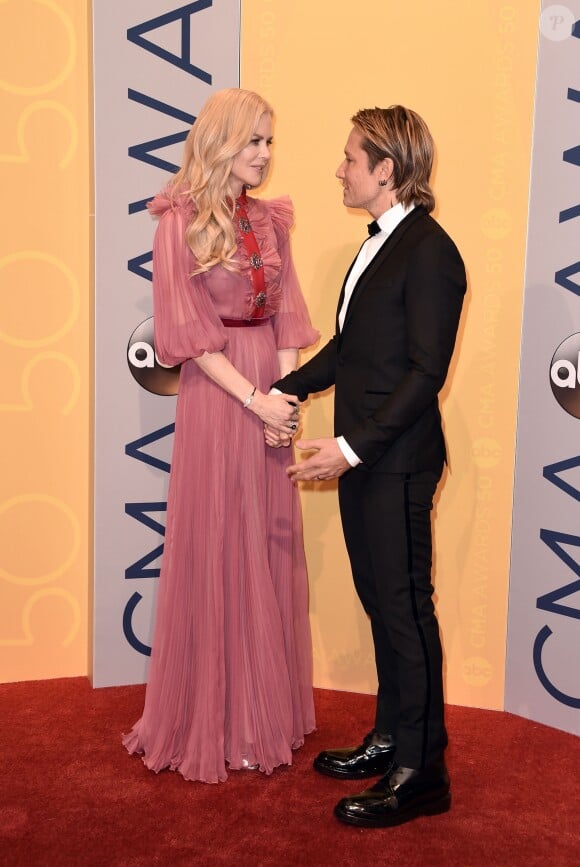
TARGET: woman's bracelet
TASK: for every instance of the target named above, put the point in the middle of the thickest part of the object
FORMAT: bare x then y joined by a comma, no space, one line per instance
250,398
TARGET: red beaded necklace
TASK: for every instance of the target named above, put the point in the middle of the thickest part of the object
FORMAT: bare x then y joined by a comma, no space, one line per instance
253,251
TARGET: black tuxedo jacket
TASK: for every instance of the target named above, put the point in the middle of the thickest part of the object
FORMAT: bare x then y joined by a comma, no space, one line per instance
391,358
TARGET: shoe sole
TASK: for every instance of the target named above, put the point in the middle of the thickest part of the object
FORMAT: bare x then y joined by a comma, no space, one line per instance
431,808
349,775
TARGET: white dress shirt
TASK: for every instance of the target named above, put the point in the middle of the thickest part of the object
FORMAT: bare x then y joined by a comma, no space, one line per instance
388,222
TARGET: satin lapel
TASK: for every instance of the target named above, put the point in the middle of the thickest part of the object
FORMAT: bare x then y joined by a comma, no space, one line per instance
380,258
341,296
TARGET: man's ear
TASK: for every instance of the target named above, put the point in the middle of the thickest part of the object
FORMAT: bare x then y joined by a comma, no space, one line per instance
384,171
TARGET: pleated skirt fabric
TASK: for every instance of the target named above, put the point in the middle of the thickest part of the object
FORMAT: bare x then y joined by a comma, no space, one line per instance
230,680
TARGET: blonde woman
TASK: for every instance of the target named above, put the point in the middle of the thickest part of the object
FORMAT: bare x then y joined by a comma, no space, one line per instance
230,683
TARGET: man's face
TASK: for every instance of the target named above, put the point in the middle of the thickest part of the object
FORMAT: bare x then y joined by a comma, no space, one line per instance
361,186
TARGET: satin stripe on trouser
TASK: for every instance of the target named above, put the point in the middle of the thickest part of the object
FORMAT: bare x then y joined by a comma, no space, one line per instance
387,527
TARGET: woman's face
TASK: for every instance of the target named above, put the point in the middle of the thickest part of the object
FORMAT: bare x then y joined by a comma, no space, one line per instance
250,163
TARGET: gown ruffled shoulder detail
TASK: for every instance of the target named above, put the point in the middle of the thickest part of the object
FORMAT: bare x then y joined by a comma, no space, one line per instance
168,199
282,214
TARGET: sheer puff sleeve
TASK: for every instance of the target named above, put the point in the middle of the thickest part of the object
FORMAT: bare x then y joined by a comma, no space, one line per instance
292,326
185,321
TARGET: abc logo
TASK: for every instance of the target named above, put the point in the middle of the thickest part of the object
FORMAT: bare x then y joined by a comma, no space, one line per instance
143,363
476,671
486,452
565,375
496,223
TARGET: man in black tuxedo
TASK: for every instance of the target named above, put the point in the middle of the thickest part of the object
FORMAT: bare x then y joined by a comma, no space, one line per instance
397,320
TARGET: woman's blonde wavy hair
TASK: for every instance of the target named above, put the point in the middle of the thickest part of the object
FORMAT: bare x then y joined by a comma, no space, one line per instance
401,134
224,126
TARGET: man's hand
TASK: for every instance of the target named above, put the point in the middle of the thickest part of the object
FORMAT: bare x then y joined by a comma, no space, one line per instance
278,411
328,462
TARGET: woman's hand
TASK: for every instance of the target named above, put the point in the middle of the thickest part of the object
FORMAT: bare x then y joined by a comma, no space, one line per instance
278,411
276,440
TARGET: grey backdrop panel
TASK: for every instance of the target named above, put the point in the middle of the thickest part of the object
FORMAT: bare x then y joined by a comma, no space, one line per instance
543,658
155,64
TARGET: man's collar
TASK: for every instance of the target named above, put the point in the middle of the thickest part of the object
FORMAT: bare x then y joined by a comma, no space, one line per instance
389,221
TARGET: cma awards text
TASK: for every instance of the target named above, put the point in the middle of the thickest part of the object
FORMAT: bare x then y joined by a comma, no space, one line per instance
145,37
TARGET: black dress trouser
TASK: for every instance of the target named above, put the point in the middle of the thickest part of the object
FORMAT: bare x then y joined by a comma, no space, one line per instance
386,520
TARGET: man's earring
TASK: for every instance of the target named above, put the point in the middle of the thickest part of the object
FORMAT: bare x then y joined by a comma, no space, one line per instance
383,183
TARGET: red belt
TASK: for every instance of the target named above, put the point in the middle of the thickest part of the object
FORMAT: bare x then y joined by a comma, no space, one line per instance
243,323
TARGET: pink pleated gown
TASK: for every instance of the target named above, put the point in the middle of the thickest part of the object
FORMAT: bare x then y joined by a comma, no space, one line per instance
230,680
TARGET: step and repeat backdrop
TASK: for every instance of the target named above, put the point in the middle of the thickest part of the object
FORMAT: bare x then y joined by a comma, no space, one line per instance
153,64
469,70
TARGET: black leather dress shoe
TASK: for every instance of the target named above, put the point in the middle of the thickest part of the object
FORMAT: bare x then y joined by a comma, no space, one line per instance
373,757
402,794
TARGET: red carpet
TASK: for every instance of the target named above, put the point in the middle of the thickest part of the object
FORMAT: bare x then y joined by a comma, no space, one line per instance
70,794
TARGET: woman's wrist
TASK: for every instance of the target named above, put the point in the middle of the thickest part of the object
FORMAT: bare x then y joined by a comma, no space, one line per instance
257,404
248,400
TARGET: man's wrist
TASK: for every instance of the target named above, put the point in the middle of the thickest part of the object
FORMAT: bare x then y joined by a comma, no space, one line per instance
350,456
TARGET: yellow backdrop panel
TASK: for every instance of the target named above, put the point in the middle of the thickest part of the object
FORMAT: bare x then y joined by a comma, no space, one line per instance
468,68
44,338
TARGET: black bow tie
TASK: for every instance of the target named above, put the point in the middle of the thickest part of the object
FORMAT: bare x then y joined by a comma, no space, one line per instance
373,228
